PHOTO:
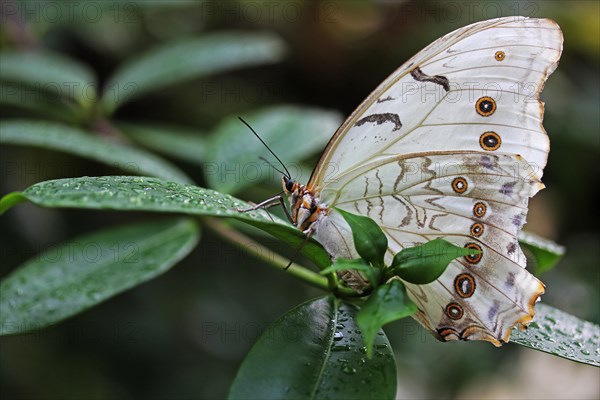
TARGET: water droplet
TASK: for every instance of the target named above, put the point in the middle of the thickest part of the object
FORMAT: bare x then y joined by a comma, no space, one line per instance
338,336
94,295
340,348
348,370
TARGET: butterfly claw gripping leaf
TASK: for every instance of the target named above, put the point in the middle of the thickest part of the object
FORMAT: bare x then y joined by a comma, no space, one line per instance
450,145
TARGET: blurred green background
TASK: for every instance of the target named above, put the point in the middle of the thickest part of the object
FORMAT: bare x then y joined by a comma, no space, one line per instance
184,334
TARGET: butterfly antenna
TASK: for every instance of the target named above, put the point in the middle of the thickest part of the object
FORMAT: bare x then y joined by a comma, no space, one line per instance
271,151
271,165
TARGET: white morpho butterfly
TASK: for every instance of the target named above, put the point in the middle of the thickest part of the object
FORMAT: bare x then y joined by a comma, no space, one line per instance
451,145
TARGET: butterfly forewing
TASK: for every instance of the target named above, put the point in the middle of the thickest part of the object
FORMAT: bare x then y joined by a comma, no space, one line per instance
452,145
467,59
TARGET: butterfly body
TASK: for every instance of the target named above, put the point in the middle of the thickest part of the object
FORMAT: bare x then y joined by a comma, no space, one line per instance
451,145
305,205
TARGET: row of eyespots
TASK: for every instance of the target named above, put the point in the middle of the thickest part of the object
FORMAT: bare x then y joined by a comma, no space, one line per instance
486,106
479,211
460,185
464,284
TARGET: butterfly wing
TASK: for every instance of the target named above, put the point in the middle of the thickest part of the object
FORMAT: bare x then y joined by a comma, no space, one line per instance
452,145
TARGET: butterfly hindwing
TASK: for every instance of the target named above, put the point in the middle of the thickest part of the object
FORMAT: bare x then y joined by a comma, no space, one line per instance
418,199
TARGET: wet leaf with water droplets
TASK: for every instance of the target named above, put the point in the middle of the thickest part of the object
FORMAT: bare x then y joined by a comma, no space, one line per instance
70,278
132,193
561,334
308,353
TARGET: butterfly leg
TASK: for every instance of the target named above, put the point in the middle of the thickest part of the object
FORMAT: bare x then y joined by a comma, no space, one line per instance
309,232
273,201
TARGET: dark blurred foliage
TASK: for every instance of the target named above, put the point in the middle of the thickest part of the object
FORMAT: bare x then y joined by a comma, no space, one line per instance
183,335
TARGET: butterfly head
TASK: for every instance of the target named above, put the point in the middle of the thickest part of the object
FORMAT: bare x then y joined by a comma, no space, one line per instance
289,185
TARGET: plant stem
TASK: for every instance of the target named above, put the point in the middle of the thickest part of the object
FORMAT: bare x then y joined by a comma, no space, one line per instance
273,259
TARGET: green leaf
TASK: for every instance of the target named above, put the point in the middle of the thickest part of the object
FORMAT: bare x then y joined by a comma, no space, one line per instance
545,252
369,240
556,332
51,73
183,60
179,143
70,278
425,263
22,97
293,133
388,303
131,193
55,136
315,351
